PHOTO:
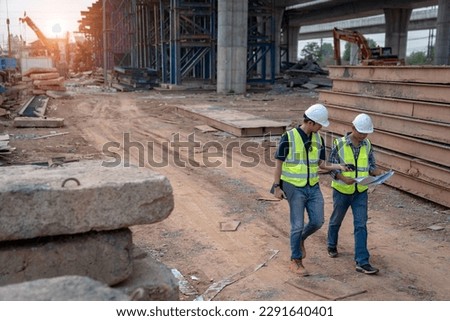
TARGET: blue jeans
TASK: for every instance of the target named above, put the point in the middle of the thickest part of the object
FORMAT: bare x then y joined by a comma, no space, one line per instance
358,203
299,199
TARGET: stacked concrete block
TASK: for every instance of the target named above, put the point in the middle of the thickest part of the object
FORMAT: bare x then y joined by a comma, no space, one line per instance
75,219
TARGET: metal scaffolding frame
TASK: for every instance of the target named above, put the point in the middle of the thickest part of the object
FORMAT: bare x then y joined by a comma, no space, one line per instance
261,41
178,38
189,52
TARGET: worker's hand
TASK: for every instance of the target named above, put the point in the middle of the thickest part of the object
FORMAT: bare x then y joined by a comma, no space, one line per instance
347,167
278,193
348,180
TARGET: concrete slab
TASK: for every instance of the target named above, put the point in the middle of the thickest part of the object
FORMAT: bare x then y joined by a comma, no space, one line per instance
32,122
234,122
102,256
64,288
34,202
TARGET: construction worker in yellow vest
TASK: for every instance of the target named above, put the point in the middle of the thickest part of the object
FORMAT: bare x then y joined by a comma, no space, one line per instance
355,150
300,154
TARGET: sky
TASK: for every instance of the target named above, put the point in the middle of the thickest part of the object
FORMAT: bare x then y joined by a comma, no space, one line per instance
46,14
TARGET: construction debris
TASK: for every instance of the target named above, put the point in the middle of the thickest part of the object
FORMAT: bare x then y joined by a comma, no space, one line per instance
306,74
5,149
44,79
34,107
229,226
216,287
130,79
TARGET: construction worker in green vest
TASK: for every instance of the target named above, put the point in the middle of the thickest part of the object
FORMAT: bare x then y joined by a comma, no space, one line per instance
300,154
355,150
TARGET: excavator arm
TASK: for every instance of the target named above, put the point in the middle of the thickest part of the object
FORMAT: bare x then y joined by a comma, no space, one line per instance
51,48
352,37
368,56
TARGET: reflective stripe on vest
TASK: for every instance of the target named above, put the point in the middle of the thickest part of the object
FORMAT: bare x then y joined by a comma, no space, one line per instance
295,167
346,156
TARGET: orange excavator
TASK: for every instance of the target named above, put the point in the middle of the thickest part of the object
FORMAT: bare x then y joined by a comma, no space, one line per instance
51,47
368,56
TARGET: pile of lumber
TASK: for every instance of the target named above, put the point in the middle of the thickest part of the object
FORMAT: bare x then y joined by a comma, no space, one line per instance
44,80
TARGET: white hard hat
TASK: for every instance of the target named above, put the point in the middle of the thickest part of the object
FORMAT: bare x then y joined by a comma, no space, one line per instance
319,114
363,124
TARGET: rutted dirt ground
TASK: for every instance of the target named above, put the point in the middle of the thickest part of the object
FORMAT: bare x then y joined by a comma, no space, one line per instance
413,259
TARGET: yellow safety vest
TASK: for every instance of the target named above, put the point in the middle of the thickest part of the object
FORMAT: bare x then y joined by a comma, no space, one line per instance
300,163
346,156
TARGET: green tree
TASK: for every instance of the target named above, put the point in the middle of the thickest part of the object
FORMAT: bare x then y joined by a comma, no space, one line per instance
327,50
311,51
346,56
417,58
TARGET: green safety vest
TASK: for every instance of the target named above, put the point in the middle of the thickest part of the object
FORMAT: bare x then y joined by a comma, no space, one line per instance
300,163
361,164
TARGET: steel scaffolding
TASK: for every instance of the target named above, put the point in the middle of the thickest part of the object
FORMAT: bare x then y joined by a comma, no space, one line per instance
261,41
178,38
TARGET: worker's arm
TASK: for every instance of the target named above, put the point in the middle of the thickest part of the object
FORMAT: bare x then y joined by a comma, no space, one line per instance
336,173
278,192
373,169
330,166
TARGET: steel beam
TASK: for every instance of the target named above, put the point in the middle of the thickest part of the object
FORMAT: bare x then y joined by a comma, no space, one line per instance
420,92
422,149
401,107
422,129
405,74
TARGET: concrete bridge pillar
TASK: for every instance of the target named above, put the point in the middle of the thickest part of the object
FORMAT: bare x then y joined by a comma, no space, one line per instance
442,50
232,46
397,30
277,35
293,43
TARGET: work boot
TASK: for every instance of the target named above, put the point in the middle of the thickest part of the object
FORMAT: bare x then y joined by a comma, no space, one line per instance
366,269
332,252
298,268
302,246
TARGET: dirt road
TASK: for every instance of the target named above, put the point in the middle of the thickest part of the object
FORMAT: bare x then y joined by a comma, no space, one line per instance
218,178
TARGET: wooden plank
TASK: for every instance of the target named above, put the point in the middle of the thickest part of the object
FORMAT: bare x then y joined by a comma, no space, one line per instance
428,151
44,76
39,70
49,82
417,74
237,123
423,92
424,129
401,107
38,122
